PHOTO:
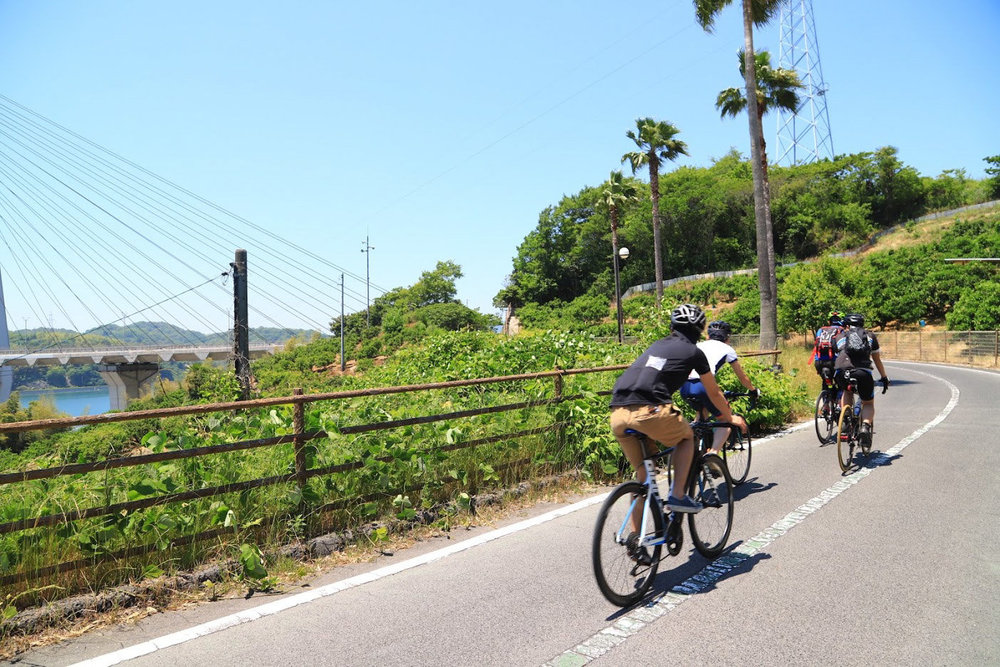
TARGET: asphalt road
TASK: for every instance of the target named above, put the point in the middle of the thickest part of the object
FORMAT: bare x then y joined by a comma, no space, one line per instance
894,564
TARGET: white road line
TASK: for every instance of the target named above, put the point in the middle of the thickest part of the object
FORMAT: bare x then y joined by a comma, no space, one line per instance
631,623
272,608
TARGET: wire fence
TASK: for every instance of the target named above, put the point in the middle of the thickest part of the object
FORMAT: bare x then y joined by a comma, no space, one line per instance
971,348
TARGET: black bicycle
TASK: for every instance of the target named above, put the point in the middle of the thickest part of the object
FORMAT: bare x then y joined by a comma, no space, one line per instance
632,527
737,450
827,412
849,428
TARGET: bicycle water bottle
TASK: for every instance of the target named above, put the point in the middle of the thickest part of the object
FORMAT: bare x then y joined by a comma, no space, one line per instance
857,409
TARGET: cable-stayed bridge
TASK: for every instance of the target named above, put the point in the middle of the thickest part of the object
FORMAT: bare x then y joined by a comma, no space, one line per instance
94,244
125,370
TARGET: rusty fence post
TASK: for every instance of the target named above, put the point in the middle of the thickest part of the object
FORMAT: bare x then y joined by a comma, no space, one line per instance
557,381
299,427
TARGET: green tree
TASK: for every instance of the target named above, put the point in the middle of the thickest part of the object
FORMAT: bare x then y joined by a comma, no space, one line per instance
755,12
56,377
978,309
993,172
656,143
437,286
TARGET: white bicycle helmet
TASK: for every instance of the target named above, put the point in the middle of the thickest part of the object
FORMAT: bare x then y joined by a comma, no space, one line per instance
687,316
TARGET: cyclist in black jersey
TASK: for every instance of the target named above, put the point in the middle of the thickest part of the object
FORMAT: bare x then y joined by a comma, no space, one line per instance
642,400
857,348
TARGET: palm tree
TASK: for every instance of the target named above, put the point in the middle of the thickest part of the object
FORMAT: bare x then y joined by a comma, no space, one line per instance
617,193
656,143
776,88
755,12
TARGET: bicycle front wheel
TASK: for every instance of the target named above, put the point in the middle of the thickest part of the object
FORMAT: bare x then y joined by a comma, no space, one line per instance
711,485
824,417
737,456
625,570
845,439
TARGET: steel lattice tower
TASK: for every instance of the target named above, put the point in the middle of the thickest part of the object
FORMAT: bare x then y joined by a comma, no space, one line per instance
805,136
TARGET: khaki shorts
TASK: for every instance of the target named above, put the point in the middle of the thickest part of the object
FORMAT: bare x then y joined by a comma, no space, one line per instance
663,423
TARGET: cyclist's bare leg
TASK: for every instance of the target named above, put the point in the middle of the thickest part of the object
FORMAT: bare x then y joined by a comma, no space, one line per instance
868,412
846,399
683,454
718,440
632,447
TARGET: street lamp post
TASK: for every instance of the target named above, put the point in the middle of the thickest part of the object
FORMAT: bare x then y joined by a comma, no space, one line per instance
623,254
368,313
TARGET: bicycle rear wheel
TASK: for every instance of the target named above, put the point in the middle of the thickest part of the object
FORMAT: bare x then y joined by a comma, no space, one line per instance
846,438
711,485
736,453
824,417
617,557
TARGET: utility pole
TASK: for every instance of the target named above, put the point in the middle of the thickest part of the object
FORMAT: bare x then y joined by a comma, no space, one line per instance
241,328
367,249
343,362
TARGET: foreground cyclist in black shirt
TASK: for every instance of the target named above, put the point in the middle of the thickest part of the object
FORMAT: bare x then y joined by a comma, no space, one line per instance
642,399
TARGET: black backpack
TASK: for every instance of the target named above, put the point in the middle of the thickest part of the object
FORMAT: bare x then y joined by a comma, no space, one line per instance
858,346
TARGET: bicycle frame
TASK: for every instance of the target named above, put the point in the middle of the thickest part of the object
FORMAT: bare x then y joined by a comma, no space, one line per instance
852,389
649,537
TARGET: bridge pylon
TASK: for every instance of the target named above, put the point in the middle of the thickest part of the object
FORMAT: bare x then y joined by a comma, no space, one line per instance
125,381
6,372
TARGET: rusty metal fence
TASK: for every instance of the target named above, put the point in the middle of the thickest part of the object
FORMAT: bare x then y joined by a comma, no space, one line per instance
299,472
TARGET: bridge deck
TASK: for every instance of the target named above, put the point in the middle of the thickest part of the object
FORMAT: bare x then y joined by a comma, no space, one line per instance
126,355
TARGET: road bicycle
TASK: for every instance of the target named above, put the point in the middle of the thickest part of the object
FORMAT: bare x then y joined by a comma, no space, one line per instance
849,429
737,450
827,412
632,526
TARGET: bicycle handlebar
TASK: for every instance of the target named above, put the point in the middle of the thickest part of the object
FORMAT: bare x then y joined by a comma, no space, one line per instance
738,394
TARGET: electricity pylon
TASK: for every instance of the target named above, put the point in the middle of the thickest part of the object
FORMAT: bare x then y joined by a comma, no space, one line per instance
804,136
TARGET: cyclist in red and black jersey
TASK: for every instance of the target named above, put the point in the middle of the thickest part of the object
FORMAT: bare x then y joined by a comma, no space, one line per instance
824,352
642,400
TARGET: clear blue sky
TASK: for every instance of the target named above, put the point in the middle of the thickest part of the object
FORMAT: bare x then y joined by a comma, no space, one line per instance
442,129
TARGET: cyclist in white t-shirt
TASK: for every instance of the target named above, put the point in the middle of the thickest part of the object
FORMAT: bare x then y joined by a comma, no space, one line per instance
719,352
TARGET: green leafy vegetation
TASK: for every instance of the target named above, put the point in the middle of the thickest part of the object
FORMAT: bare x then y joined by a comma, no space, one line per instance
400,472
817,209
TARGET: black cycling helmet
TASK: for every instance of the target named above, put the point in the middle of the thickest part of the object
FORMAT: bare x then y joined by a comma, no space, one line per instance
854,320
835,318
719,330
688,319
